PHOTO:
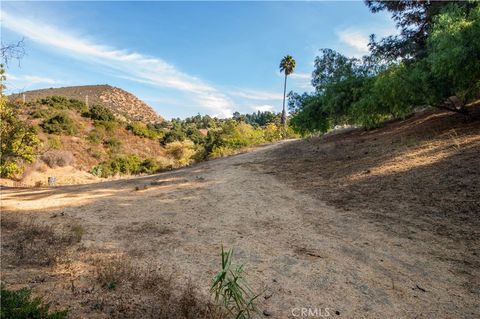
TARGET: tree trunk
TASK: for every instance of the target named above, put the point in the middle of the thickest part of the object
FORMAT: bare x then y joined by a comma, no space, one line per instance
284,115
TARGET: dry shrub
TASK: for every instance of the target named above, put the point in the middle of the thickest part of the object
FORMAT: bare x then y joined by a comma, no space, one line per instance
134,291
57,158
28,242
181,151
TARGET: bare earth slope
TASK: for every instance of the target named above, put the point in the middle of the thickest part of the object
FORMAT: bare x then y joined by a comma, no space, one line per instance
122,103
387,257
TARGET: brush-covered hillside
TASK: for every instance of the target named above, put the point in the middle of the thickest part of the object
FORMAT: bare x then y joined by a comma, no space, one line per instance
123,104
61,136
70,140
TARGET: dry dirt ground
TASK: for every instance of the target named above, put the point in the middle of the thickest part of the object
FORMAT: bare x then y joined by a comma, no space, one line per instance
383,224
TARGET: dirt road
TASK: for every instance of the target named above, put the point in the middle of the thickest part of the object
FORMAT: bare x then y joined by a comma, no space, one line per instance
296,248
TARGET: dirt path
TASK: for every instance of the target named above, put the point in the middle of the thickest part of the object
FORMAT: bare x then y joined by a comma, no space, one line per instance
296,248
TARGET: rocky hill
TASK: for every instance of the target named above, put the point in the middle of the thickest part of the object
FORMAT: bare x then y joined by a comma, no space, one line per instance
123,104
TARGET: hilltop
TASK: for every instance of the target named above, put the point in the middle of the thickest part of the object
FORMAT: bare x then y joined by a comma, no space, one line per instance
123,104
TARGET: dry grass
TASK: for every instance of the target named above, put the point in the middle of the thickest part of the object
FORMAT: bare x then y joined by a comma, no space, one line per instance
421,172
29,242
134,291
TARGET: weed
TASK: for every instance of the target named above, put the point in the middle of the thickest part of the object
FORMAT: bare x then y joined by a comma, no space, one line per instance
78,232
231,290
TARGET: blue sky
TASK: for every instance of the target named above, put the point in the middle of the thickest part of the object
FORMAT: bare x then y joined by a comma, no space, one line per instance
183,58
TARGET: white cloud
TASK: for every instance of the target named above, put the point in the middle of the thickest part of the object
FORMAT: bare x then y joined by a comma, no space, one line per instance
26,81
302,80
133,65
301,76
356,41
256,94
263,108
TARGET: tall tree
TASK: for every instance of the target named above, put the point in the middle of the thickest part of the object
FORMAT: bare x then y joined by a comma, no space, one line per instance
415,20
287,65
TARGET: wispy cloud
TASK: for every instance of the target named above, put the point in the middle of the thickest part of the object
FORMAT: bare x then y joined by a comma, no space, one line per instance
256,95
356,41
23,82
263,108
302,80
135,66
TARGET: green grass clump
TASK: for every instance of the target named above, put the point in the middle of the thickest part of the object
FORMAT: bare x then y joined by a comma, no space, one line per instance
19,304
231,290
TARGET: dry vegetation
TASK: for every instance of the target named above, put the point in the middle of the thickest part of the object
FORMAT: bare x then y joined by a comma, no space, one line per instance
379,223
412,175
91,283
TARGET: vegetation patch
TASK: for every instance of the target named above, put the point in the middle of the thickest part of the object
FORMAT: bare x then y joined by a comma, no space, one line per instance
127,164
29,242
19,304
60,123
56,158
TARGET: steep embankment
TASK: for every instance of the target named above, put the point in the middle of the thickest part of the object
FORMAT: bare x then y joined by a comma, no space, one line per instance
123,104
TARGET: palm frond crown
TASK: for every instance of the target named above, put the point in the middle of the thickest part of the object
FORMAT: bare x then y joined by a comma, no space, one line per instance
287,65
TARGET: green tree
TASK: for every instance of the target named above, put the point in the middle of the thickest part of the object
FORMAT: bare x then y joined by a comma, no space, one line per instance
454,57
415,20
287,66
18,139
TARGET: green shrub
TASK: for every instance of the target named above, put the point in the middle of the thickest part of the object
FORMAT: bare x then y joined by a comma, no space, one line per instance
221,151
113,144
142,130
127,164
99,113
150,166
62,103
19,304
96,135
182,152
18,141
130,164
108,126
174,134
40,114
60,124
54,143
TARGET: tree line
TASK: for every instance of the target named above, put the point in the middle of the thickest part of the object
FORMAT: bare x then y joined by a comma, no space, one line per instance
434,61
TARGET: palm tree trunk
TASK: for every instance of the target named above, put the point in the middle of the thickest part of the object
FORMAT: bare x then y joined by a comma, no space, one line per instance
284,115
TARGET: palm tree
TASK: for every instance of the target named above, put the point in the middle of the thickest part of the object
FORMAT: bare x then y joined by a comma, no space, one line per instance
287,65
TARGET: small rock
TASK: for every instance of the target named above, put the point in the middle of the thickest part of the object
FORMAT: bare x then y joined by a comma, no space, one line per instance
267,313
268,294
275,280
337,313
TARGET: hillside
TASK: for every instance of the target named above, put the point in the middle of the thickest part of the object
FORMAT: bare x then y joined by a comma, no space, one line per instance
74,139
353,222
123,104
